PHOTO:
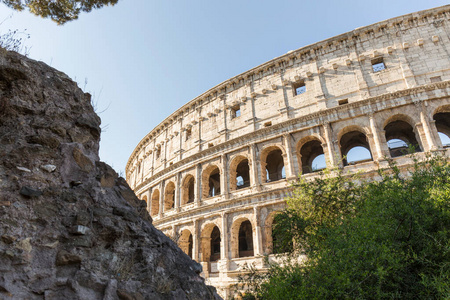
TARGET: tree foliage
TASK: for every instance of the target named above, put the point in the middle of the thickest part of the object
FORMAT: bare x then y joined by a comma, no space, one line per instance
60,11
384,239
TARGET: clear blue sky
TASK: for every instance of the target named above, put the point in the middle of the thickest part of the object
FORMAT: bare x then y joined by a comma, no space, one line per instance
144,59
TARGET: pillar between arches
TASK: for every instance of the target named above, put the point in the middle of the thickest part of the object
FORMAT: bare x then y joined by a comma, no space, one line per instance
330,153
195,242
258,234
198,189
224,177
161,199
290,173
378,153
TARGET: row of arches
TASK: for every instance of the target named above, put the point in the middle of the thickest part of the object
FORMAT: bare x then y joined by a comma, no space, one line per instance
400,136
242,241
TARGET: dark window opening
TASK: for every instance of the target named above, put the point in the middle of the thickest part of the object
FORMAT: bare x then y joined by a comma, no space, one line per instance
355,148
214,183
154,208
275,166
243,174
188,190
188,134
401,138
169,196
309,152
215,244
443,127
299,88
245,239
378,64
235,111
158,153
267,124
343,101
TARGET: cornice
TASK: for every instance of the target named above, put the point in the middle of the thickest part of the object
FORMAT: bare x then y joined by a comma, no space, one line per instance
323,116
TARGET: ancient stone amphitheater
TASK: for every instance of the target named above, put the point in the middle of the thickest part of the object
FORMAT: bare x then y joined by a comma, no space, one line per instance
216,171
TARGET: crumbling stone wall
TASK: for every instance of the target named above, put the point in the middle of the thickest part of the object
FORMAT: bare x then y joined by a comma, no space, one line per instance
70,228
365,88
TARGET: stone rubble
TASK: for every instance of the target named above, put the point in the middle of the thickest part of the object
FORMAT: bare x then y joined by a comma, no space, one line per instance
70,228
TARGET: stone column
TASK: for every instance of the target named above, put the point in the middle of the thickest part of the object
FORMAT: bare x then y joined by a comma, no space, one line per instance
195,242
161,198
258,236
177,196
224,177
435,134
358,68
378,153
290,173
318,90
331,154
430,142
143,167
198,181
408,75
224,253
153,157
254,176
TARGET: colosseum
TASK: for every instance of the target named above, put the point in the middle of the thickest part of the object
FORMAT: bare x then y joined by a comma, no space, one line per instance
216,171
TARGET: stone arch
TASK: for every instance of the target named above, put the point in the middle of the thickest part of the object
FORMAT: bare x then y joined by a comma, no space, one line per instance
210,242
242,238
169,196
154,207
211,181
239,172
273,163
186,242
308,150
441,118
268,237
351,138
188,189
400,135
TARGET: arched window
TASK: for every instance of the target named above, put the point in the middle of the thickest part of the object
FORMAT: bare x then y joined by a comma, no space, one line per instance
275,165
355,148
442,120
154,207
400,138
211,182
239,173
215,244
185,242
245,239
312,157
187,190
169,196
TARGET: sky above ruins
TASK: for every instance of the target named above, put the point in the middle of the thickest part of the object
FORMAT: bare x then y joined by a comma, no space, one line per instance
141,60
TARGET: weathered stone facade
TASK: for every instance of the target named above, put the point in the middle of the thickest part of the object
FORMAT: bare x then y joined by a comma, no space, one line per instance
216,171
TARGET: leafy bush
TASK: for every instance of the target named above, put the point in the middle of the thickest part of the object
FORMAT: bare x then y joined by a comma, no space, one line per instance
383,239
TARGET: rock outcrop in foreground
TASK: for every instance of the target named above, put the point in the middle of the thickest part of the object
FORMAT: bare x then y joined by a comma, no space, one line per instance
70,228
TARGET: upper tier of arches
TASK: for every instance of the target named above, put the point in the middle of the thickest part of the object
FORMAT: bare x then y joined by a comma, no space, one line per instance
373,137
336,73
